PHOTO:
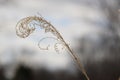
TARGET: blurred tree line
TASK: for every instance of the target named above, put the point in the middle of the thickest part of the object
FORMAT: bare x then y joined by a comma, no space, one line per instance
100,51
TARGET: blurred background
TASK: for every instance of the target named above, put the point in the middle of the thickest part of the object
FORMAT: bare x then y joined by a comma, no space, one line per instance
91,27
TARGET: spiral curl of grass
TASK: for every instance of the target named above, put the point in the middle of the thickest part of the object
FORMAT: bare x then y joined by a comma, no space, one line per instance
26,26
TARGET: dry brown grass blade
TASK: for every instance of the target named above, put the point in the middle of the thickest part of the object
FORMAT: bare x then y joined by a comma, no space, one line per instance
24,29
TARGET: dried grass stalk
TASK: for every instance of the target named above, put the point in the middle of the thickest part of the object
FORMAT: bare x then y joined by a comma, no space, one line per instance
27,25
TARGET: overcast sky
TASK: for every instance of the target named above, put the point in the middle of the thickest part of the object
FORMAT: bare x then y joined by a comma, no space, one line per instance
72,18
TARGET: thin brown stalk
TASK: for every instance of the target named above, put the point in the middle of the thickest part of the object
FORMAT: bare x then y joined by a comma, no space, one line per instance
24,29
